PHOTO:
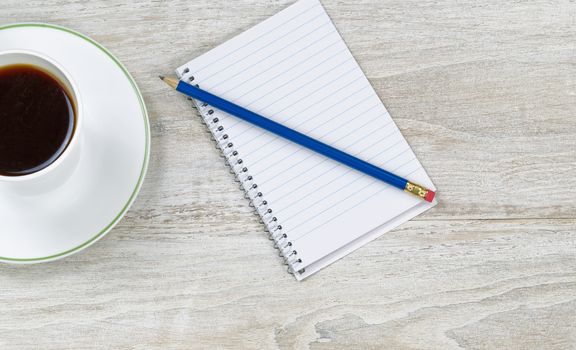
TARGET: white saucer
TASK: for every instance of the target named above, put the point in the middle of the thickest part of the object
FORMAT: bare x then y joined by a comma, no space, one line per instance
114,152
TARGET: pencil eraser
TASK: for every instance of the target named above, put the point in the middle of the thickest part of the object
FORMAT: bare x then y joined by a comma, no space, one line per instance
430,196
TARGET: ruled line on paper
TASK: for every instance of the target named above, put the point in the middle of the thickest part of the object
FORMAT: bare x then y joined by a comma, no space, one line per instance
288,70
336,166
254,63
345,186
324,159
270,31
285,144
354,206
259,132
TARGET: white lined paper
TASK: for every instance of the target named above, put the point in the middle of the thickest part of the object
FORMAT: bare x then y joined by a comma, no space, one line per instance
295,68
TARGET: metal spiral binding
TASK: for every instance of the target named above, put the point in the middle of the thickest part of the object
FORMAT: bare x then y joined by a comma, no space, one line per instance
247,183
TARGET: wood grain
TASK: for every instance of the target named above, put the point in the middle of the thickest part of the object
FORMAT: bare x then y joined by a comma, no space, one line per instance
485,92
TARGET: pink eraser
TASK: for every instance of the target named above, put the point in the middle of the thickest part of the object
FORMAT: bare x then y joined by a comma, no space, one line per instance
430,196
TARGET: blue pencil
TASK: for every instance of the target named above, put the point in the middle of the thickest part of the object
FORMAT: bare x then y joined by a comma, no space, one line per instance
299,138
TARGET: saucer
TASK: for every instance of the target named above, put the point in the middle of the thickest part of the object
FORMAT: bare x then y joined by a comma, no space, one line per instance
39,226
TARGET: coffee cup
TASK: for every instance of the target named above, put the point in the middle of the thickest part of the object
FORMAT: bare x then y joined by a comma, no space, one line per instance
29,135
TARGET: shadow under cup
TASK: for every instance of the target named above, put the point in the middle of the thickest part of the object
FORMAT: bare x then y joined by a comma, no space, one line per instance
62,162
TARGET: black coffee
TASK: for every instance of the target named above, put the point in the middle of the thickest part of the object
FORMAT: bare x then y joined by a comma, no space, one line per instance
37,120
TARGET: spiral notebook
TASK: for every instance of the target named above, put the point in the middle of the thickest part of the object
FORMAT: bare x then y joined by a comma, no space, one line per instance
295,68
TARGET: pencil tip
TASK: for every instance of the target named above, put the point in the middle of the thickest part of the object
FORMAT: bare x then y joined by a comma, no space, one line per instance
161,77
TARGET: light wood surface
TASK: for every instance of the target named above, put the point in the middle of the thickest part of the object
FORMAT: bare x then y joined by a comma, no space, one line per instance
484,91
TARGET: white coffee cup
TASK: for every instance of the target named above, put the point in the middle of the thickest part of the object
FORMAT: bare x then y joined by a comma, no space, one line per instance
65,164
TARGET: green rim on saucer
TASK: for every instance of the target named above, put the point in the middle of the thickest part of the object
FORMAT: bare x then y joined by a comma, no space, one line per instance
146,151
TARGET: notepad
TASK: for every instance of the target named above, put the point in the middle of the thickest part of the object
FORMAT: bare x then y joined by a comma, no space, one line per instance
295,69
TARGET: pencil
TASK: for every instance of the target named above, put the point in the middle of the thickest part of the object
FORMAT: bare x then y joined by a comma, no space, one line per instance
299,138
